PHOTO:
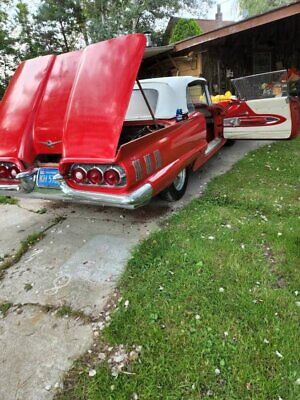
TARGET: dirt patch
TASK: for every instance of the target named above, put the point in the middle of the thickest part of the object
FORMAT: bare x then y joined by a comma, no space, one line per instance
269,256
280,280
151,212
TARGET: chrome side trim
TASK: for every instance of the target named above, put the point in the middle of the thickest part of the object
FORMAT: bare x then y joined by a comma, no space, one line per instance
212,145
158,160
138,169
231,122
131,200
9,187
148,162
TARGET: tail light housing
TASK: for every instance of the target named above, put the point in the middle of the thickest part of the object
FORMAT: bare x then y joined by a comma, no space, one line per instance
101,175
13,172
79,175
95,176
4,172
8,171
112,177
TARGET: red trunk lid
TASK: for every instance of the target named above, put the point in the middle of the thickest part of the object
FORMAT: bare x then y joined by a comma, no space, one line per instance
72,104
100,97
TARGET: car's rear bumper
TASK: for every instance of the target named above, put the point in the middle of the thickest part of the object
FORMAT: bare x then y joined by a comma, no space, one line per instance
131,200
9,187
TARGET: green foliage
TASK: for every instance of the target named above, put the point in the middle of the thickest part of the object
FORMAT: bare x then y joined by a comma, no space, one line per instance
61,24
8,57
57,26
254,7
185,28
8,200
4,308
29,48
110,18
26,244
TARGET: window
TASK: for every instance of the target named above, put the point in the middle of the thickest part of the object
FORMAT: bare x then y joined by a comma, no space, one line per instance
262,86
138,108
196,95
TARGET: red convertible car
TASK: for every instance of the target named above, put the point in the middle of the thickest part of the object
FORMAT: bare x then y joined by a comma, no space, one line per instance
83,125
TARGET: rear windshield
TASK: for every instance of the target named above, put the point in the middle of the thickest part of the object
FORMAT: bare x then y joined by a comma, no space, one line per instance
137,108
262,86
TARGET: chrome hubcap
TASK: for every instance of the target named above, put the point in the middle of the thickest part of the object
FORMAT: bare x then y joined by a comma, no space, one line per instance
180,180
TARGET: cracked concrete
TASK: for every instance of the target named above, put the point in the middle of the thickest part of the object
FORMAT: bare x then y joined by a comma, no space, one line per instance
24,337
77,264
20,221
83,281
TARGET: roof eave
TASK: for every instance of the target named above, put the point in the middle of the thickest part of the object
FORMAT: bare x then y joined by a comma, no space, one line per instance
255,21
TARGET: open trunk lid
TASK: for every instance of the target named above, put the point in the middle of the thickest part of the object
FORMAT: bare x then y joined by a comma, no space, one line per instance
100,97
72,104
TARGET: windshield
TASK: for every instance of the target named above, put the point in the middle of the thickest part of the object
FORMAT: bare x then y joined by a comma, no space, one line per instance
262,86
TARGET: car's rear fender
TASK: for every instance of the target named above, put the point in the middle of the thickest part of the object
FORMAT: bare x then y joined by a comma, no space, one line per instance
158,157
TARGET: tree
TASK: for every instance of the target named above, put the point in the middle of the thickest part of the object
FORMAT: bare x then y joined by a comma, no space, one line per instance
58,26
28,48
111,18
254,7
61,24
185,28
7,50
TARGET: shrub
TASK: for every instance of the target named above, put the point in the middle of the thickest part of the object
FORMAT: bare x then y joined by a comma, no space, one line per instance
185,28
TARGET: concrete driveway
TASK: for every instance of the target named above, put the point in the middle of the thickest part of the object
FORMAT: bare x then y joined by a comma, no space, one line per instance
76,265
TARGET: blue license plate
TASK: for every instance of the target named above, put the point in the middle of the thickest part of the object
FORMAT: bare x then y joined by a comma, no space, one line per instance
45,178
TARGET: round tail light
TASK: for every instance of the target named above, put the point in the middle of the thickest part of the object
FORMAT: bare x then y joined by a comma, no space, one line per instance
112,177
94,175
78,175
13,172
4,172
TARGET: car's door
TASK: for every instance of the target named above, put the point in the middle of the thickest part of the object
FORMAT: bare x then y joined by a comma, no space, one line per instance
267,111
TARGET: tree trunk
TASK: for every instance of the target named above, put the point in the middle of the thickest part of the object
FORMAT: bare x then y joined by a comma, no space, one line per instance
62,29
85,35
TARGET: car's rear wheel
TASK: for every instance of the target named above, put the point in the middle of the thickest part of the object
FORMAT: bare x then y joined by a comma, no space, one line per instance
178,188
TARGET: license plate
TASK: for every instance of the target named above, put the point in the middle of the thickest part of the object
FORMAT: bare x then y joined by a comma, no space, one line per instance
45,178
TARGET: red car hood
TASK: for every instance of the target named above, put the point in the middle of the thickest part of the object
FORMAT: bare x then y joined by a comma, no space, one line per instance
73,104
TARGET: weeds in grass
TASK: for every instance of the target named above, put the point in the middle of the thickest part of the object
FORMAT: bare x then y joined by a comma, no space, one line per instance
30,241
4,308
67,311
8,200
28,287
9,260
42,211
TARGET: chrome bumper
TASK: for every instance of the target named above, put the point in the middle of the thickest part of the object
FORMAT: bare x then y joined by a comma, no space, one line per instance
131,201
9,187
27,182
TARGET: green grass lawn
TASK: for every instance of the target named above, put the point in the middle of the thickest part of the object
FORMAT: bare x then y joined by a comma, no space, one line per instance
213,295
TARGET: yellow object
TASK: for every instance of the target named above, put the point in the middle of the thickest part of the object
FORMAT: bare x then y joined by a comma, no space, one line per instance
222,97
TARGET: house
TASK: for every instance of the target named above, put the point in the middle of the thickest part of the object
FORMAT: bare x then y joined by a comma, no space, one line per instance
262,43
